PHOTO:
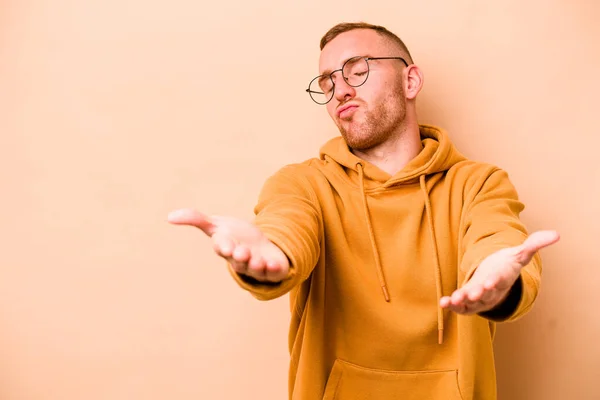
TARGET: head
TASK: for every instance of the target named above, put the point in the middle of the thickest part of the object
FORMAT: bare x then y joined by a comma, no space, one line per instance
383,107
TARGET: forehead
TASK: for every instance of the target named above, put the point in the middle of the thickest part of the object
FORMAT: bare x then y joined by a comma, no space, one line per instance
358,42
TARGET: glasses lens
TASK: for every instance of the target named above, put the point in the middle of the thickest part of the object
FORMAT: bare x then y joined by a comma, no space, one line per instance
321,89
356,71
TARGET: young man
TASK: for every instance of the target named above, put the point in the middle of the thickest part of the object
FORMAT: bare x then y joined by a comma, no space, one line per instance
399,254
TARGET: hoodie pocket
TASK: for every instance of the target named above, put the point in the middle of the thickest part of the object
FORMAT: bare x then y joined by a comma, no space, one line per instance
352,382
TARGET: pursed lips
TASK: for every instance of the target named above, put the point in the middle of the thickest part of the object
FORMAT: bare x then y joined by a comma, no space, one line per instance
346,108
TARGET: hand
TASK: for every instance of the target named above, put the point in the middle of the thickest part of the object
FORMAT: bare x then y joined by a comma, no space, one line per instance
494,277
241,243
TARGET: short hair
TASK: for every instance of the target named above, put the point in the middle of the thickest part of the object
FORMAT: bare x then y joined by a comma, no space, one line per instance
349,26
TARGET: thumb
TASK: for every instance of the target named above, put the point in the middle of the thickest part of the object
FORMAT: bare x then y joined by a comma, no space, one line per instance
191,217
535,242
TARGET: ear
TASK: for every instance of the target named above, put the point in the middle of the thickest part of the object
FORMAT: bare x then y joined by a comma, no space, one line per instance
414,81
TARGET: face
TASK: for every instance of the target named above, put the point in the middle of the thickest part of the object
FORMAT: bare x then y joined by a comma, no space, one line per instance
370,114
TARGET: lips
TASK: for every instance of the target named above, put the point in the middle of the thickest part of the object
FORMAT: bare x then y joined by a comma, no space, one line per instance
346,110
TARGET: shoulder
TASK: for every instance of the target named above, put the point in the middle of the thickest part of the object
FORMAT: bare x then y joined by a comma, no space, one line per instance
307,170
468,169
303,177
476,176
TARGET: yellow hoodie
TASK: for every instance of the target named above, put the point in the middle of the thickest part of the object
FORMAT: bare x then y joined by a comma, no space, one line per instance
372,254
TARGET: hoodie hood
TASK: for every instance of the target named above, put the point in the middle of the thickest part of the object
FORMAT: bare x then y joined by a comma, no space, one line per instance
438,155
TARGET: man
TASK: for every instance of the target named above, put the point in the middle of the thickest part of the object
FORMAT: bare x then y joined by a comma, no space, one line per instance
399,254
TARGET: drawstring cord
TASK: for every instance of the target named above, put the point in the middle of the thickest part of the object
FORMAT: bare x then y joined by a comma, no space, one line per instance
380,275
438,271
437,267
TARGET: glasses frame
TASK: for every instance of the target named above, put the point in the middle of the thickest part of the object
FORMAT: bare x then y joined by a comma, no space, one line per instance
367,59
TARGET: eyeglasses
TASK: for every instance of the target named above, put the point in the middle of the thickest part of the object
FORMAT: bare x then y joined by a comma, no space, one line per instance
355,72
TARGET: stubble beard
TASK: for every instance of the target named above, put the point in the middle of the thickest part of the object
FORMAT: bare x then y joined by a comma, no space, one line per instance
378,125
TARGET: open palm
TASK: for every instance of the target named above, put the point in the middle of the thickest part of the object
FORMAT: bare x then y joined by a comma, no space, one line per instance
494,277
241,243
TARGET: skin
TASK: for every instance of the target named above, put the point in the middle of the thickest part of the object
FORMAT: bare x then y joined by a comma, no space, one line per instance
382,129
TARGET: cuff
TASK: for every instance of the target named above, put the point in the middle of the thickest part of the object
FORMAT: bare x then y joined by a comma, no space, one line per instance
504,310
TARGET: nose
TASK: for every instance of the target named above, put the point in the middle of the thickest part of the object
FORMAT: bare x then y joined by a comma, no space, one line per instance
343,91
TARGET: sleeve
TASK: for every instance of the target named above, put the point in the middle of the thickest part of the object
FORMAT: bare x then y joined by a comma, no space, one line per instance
491,223
288,213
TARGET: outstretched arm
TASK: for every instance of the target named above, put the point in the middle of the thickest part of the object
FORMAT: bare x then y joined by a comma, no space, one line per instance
500,262
279,250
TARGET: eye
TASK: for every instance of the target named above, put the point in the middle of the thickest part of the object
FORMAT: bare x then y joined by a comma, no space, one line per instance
326,86
356,70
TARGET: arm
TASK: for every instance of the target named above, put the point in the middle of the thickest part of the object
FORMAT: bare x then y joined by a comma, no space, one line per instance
500,263
492,223
289,215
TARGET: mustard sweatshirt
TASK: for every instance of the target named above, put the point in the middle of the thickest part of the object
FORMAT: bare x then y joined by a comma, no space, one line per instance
372,254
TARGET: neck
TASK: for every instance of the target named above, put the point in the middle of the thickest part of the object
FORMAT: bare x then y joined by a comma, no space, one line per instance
393,154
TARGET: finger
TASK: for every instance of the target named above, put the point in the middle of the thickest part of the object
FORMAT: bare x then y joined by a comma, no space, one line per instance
475,293
501,284
256,268
459,309
257,263
239,267
191,217
497,299
489,294
239,260
474,308
445,302
458,297
535,242
482,295
274,271
462,301
471,304
223,246
494,281
241,254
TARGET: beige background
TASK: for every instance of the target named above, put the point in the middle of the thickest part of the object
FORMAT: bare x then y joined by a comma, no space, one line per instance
114,112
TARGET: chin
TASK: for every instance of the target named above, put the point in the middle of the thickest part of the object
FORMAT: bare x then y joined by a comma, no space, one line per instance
364,137
358,142
350,126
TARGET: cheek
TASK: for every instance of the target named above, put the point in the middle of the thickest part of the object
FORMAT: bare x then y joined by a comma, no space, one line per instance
331,109
380,87
372,92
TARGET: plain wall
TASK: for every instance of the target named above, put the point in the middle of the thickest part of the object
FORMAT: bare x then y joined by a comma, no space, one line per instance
114,112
